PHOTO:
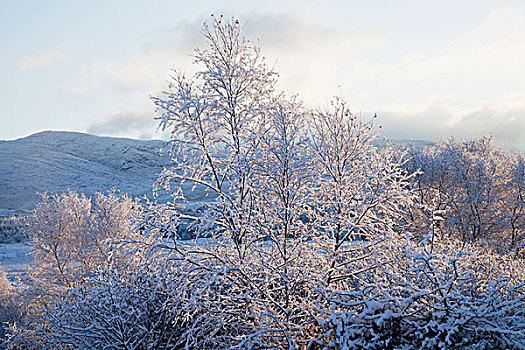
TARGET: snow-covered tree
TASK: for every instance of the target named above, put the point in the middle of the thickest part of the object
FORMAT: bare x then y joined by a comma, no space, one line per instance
360,191
303,241
71,233
515,204
272,218
58,229
215,120
472,189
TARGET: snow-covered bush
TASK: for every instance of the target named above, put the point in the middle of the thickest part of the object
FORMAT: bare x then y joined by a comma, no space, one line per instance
473,189
131,310
158,301
447,298
73,236
5,294
12,229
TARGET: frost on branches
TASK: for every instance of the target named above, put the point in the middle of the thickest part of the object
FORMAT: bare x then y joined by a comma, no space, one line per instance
216,120
73,237
475,190
308,239
300,200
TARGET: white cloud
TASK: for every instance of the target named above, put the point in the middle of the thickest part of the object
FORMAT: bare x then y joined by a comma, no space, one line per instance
504,118
142,71
487,62
309,59
148,68
471,87
130,124
468,87
45,58
313,60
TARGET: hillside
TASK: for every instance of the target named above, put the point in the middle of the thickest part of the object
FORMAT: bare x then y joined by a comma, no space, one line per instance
54,161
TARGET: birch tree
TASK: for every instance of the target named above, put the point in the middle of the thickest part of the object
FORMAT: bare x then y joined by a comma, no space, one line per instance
215,121
472,189
361,192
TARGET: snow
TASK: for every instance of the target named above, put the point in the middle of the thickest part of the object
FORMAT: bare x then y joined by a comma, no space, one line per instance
15,259
54,161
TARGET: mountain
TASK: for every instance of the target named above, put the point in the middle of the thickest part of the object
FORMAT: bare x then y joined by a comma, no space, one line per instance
53,161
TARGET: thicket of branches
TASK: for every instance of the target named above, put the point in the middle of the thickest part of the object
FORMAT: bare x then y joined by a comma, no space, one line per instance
11,229
73,237
312,237
474,191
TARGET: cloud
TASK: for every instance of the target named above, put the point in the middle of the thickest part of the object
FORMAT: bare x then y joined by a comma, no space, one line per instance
294,33
504,118
309,58
487,62
139,125
296,44
148,68
313,60
468,87
141,72
45,58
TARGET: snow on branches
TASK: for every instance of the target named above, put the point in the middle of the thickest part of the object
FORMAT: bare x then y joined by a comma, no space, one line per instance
306,238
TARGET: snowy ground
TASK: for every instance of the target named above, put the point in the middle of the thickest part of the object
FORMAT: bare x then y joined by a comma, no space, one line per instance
15,259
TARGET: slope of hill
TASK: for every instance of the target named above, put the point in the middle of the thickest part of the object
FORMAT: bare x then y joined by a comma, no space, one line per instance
54,161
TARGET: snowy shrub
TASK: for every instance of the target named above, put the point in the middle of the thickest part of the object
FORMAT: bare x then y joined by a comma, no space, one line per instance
5,285
12,229
20,316
5,293
437,299
153,303
475,188
73,236
119,311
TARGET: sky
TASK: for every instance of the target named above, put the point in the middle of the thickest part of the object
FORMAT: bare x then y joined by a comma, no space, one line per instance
429,69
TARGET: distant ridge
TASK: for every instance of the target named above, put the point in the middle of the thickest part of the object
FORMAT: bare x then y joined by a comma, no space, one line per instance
402,142
53,161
